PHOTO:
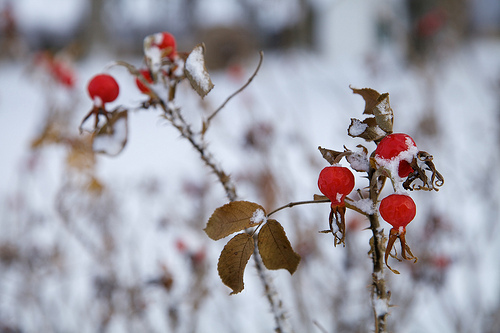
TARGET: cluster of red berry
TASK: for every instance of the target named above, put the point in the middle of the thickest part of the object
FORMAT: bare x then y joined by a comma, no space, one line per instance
103,88
395,152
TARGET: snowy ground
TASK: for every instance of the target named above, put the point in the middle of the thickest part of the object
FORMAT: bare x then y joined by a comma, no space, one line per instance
159,195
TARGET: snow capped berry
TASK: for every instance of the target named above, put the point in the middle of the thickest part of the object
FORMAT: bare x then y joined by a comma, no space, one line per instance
398,210
396,150
103,88
166,43
147,75
336,183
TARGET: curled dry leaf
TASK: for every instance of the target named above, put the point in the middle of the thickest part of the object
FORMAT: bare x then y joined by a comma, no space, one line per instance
233,217
196,72
233,260
378,105
367,129
275,248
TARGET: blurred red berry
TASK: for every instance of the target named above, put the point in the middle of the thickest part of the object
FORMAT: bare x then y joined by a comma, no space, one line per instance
165,41
104,87
142,87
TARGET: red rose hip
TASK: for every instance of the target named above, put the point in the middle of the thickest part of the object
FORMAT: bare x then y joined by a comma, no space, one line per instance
336,182
399,148
104,87
398,210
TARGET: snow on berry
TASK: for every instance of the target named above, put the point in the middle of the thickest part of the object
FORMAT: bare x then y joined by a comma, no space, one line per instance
395,152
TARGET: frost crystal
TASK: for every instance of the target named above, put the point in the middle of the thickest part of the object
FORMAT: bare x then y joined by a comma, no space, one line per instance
195,65
258,216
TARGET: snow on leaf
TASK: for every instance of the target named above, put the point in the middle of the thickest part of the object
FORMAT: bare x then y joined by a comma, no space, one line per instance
196,72
372,131
383,113
233,217
275,248
233,260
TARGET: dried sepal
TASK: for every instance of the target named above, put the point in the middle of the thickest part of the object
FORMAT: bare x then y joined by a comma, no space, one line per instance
338,231
422,163
112,137
405,249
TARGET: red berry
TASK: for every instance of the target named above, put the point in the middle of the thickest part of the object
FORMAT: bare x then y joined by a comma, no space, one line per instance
336,183
166,42
397,147
398,210
64,74
147,75
103,86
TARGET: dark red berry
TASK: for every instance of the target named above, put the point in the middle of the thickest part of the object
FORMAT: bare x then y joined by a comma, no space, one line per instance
336,182
398,210
104,87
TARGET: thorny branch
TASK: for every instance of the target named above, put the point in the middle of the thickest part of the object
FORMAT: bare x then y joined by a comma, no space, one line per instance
380,295
174,116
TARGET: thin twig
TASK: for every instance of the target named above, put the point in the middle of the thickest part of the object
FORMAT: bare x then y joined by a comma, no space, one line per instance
296,203
237,91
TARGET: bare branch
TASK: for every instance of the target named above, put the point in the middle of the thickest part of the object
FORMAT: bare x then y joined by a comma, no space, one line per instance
237,91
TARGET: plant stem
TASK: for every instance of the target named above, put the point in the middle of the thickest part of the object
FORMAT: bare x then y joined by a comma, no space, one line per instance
380,295
175,117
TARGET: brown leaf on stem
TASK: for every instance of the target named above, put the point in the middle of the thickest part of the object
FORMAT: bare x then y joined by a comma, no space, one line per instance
196,72
367,129
233,217
233,260
275,248
370,96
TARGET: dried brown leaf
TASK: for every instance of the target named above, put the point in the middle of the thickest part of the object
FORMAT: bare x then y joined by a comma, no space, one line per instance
383,113
367,129
233,260
196,72
275,248
329,155
370,96
233,217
